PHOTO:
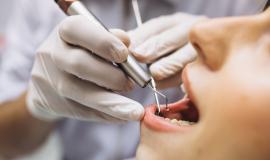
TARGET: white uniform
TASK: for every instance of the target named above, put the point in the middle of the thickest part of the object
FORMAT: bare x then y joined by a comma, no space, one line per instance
33,21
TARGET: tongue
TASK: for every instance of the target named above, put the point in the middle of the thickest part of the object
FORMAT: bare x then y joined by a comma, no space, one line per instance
173,112
177,116
191,114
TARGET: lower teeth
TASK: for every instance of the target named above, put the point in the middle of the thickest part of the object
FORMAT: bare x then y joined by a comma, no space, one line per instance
179,122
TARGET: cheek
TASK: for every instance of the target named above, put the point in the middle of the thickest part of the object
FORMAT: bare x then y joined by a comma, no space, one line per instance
246,105
248,92
240,111
235,110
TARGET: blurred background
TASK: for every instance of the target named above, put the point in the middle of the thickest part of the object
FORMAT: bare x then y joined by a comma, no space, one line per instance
5,10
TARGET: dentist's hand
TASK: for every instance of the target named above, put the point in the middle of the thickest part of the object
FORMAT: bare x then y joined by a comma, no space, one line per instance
163,43
73,75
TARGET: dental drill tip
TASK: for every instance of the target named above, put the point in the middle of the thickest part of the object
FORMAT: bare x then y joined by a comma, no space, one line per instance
156,93
166,99
153,84
166,107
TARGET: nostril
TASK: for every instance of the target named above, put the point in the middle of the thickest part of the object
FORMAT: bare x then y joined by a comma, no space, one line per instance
199,50
197,47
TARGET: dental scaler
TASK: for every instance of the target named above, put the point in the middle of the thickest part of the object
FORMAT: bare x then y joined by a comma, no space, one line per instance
138,17
130,66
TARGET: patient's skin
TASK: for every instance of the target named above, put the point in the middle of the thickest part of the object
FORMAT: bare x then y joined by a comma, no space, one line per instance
230,84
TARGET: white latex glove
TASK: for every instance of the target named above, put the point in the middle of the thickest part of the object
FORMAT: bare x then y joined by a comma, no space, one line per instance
163,43
70,80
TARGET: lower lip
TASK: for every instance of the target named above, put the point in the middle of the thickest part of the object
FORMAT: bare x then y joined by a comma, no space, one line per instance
159,124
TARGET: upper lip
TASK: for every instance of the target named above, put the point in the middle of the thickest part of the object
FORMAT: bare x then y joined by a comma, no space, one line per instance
187,85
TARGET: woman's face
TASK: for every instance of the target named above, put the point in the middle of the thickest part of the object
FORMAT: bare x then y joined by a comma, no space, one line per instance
228,89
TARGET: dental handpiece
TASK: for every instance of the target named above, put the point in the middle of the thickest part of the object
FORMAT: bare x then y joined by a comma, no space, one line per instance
130,66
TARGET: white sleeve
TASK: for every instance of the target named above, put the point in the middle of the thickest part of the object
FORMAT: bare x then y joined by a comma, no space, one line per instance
29,25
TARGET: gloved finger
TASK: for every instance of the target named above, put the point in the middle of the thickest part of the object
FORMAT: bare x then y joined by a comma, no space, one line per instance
156,26
170,82
100,99
172,64
79,31
122,35
84,113
60,87
87,66
71,109
163,44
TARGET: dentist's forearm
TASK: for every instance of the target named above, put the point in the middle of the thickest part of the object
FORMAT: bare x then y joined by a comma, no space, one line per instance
20,133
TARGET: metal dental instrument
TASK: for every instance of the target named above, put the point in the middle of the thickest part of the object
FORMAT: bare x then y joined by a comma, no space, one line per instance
156,93
153,84
137,14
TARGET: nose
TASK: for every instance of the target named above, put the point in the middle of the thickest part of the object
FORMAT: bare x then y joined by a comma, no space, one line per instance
210,39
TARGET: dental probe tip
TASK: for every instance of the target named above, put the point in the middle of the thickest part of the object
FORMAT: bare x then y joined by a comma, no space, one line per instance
153,84
153,88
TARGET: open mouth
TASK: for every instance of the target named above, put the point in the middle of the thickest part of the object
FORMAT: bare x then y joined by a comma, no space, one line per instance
179,116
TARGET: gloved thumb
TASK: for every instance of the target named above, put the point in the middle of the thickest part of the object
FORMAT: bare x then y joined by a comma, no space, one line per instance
122,35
